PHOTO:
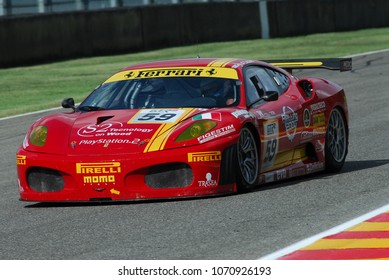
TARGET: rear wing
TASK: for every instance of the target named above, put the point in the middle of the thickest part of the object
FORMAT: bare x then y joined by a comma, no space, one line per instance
341,64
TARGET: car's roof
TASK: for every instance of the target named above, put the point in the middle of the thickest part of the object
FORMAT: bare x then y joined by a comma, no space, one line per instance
197,62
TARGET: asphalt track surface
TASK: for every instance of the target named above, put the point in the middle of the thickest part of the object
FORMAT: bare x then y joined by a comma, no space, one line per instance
245,226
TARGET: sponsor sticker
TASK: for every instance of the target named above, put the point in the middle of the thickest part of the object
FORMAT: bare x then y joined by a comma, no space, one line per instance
318,107
169,72
271,132
109,129
319,120
21,160
204,156
265,115
307,118
106,142
315,166
306,135
297,172
239,113
216,133
98,172
319,146
208,182
289,119
281,174
242,63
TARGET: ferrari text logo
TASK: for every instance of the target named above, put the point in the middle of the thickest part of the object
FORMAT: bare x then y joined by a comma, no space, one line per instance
217,72
165,73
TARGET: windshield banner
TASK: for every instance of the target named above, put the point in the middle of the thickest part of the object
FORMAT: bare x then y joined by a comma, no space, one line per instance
170,72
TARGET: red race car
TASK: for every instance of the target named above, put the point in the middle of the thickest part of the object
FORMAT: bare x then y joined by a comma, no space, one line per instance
187,128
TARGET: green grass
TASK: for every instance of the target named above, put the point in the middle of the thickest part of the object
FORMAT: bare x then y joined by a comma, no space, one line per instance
26,89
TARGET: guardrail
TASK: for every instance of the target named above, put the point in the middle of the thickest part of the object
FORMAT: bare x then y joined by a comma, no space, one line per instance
19,7
55,36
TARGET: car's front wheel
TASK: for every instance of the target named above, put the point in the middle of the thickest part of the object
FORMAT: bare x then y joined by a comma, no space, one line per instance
248,160
336,141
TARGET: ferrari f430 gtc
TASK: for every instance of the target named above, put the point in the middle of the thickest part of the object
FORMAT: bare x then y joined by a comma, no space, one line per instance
187,128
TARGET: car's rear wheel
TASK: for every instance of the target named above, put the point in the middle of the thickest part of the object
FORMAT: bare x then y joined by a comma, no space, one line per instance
336,145
248,160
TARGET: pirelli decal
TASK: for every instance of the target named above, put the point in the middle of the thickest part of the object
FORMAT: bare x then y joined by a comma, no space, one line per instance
205,156
98,172
21,160
215,71
98,167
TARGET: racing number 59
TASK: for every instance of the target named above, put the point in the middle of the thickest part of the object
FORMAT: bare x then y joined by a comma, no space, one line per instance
156,117
270,150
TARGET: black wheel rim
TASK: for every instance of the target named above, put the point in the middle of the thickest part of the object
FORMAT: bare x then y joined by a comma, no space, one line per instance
337,137
248,156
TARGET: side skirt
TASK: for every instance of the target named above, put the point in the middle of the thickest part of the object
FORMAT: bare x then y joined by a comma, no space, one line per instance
294,170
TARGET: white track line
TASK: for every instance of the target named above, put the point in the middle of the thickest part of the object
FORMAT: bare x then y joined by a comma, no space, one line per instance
28,114
334,230
368,53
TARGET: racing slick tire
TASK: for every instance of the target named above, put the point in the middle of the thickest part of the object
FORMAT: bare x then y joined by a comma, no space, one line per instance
248,160
336,143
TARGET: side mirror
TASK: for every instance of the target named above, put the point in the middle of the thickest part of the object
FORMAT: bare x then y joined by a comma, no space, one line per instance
270,96
68,103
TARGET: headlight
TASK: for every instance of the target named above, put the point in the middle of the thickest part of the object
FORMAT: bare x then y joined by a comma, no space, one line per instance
38,136
195,130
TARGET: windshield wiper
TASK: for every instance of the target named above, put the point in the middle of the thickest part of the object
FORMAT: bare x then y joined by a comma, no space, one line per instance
90,108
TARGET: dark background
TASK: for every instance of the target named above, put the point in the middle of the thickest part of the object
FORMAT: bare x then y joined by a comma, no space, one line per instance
55,36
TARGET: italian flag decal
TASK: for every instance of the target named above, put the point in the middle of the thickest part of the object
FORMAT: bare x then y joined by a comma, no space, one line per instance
208,116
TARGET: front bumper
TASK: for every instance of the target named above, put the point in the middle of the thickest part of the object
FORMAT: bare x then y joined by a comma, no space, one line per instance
184,172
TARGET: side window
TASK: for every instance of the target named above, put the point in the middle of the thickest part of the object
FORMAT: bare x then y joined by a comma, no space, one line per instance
258,81
281,80
267,81
254,88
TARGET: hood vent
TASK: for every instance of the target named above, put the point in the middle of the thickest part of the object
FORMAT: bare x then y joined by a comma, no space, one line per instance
103,119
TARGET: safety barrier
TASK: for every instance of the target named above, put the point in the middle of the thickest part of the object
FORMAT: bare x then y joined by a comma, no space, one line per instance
57,36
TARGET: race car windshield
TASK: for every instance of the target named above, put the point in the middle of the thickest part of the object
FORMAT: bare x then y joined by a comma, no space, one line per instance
164,93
